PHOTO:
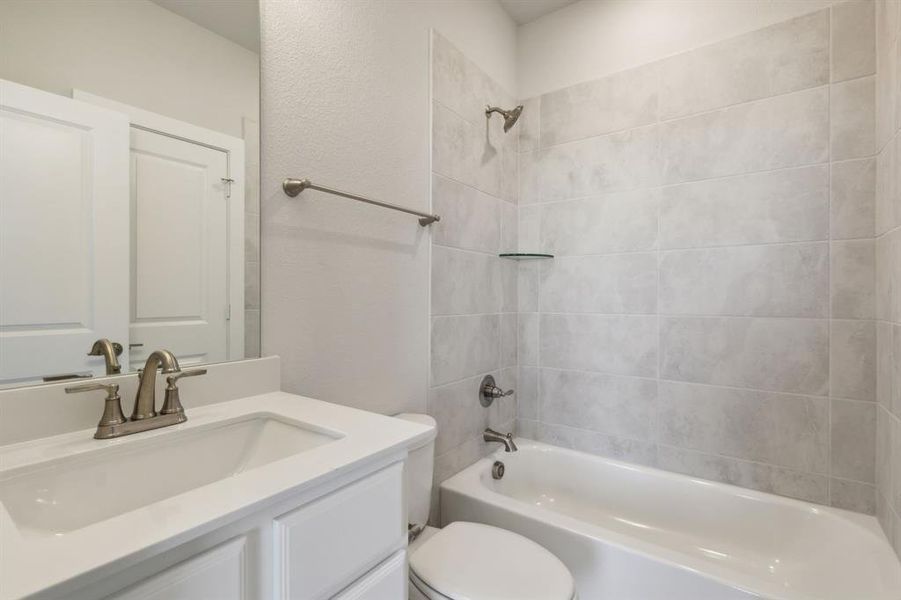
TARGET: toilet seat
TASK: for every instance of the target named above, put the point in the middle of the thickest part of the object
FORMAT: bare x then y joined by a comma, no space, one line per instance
471,561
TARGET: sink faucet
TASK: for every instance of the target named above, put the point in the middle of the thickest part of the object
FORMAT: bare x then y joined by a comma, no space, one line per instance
145,401
109,351
144,416
506,439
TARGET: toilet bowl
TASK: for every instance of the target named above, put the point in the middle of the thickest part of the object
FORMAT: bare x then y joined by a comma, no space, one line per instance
472,561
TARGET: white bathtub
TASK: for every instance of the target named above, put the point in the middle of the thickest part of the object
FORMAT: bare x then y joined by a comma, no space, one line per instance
635,533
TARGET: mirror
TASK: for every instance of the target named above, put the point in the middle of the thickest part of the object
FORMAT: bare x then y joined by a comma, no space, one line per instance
129,184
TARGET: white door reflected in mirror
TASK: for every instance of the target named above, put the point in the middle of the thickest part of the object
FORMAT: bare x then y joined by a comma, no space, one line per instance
129,206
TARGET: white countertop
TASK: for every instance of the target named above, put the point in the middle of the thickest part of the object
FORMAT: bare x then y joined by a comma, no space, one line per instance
30,564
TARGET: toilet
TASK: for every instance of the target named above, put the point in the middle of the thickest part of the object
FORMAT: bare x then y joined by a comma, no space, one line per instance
472,561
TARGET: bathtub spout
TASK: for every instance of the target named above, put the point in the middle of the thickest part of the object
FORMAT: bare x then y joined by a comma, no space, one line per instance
506,439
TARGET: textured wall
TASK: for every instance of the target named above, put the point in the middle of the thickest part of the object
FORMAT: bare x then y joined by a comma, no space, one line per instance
474,188
345,101
710,309
888,267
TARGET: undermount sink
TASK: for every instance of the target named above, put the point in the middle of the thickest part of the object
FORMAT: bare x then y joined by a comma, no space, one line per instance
60,496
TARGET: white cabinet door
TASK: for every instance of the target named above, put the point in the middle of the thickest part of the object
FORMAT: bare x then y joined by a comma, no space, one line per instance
217,574
321,547
180,293
388,581
63,232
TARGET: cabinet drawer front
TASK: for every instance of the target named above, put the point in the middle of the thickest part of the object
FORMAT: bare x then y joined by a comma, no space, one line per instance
323,546
217,574
386,582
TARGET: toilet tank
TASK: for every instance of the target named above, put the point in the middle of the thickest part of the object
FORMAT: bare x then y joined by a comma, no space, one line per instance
418,471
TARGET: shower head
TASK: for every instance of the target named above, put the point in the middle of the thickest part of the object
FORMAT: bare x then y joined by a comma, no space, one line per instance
510,116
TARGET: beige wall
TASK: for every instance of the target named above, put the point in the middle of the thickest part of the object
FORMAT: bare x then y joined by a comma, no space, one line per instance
134,52
346,103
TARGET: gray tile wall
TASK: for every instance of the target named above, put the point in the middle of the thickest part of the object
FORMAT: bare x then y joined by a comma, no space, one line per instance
887,297
712,307
473,312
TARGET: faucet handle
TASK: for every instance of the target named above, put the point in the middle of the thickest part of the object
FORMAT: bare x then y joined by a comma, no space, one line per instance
488,391
172,401
112,409
112,389
171,379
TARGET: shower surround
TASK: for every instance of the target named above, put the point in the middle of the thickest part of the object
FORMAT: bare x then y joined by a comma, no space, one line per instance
473,291
888,268
712,305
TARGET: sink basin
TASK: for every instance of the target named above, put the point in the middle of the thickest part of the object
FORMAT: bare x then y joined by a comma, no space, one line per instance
57,497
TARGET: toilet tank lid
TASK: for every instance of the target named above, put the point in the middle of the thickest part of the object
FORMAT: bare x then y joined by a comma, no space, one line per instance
422,420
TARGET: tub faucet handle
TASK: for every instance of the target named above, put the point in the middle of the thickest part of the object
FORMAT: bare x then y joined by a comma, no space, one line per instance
489,392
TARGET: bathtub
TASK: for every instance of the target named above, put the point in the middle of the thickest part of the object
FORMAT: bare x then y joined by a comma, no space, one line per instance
634,533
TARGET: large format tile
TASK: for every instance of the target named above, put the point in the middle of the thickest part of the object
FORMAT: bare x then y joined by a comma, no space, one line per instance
527,393
528,339
509,340
470,219
885,285
457,411
852,495
463,346
895,497
779,429
622,345
461,85
615,162
853,39
592,442
852,351
785,57
610,404
623,222
465,282
779,206
618,283
888,187
784,355
784,131
624,100
883,452
853,118
853,431
766,478
885,364
853,199
853,279
464,152
789,280
529,124
895,404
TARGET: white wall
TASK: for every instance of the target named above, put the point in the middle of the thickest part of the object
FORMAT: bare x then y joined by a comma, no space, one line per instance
134,52
345,98
591,39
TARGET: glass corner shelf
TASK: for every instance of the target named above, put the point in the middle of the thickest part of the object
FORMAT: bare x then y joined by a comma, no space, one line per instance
524,255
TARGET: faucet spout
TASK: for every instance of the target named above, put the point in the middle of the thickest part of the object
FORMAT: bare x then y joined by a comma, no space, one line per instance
109,351
145,401
506,439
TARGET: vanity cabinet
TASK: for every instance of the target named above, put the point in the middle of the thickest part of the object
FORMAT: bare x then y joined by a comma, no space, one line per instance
347,541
